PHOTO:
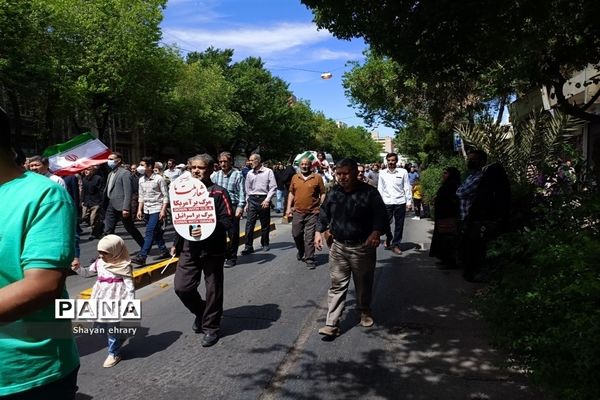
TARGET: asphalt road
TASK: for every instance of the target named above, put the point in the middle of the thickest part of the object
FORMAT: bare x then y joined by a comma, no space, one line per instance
427,342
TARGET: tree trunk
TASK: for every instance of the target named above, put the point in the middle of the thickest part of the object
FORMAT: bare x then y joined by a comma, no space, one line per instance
17,122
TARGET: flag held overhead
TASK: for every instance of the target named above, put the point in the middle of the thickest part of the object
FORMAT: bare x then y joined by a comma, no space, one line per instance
77,154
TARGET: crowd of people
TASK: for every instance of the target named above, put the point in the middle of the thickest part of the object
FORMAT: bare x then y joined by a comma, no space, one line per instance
342,206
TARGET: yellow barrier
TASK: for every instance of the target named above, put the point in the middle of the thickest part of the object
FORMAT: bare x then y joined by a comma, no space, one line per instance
151,273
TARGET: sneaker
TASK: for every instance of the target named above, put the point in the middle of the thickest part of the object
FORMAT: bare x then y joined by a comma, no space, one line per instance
210,339
197,325
416,218
247,250
328,330
366,319
138,260
310,264
299,256
396,250
163,256
230,263
266,248
111,361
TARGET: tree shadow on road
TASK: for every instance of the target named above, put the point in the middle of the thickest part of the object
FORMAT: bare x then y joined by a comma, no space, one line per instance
427,343
143,345
249,318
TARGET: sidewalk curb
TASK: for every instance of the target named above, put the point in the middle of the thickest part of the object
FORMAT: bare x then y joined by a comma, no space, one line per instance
151,273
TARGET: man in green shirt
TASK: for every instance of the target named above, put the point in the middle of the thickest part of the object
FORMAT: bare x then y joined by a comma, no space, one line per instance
38,352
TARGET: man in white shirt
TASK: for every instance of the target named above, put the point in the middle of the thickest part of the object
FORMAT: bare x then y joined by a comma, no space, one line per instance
40,165
396,192
172,172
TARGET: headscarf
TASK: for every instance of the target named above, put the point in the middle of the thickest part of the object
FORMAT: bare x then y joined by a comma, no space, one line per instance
453,176
117,260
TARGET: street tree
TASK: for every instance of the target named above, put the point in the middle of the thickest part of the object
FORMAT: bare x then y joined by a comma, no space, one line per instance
503,47
355,142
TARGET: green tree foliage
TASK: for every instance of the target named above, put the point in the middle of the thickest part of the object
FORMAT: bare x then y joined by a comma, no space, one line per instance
492,47
356,143
544,304
75,65
527,149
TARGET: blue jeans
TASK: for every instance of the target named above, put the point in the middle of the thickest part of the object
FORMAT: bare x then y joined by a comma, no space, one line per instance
396,214
115,340
154,233
280,197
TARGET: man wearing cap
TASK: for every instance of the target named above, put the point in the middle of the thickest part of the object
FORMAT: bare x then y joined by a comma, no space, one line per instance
37,240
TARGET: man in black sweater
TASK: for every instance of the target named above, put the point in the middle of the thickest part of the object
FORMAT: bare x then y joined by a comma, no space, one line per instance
351,220
206,255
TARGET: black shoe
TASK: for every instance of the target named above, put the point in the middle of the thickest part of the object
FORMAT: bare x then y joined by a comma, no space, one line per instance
209,339
163,256
299,256
197,325
139,260
230,263
311,264
247,250
266,248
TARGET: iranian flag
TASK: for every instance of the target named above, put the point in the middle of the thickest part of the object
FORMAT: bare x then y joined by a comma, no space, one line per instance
311,155
77,154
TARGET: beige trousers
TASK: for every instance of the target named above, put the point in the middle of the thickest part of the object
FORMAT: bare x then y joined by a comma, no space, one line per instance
344,260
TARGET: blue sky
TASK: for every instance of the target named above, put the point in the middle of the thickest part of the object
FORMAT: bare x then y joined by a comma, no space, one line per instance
282,33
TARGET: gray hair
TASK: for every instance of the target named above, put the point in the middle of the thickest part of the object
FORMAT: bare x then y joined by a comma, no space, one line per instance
256,155
205,158
226,154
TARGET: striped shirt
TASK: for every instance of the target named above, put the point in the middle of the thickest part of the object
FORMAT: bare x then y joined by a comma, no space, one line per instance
233,182
153,193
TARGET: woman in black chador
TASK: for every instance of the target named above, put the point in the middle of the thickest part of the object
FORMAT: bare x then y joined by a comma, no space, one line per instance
447,213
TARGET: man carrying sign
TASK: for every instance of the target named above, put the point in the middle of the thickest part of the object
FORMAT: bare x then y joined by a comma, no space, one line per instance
202,251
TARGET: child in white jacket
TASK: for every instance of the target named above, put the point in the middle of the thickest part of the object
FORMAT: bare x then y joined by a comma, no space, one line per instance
114,282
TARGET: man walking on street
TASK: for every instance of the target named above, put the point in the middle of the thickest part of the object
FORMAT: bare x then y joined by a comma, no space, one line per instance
206,256
117,196
92,186
351,221
396,192
40,165
172,173
152,207
233,181
307,192
260,188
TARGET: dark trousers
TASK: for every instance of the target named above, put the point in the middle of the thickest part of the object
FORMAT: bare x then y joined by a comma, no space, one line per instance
63,388
255,211
417,204
233,234
154,234
187,279
111,218
396,214
93,215
303,232
473,240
